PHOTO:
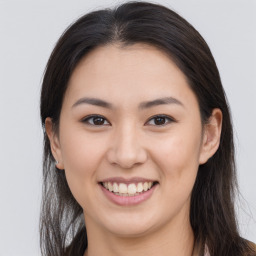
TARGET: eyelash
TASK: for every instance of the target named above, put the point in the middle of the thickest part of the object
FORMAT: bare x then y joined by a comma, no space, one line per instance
93,117
167,120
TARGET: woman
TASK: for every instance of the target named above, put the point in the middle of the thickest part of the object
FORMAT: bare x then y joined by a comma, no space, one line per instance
139,154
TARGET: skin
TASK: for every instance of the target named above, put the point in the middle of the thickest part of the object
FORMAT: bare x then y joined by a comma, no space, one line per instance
130,143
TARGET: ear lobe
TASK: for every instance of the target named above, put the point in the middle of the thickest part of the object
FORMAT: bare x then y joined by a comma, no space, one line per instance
54,143
211,136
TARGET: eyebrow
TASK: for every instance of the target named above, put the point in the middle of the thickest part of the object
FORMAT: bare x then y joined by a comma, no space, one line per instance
142,105
93,101
160,101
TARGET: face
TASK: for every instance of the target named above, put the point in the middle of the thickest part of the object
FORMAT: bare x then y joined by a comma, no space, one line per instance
130,140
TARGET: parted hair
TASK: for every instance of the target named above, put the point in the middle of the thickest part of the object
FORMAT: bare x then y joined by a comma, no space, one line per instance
212,214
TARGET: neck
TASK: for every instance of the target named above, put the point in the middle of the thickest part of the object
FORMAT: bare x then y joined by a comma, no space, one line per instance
175,239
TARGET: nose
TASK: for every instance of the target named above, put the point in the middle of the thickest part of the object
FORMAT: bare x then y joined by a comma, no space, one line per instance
126,149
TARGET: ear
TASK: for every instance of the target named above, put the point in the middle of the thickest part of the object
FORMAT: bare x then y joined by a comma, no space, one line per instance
211,136
54,142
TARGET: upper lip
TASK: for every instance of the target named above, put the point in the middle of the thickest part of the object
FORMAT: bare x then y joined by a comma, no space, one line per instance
127,180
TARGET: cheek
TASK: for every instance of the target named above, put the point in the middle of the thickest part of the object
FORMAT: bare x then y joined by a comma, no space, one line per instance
177,160
178,155
81,155
81,151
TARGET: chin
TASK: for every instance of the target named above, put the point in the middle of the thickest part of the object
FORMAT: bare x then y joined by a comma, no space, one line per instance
131,226
130,232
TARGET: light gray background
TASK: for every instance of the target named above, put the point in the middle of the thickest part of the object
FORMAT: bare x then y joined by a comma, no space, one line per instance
28,32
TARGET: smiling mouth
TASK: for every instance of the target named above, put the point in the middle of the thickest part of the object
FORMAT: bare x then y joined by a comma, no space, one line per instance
128,190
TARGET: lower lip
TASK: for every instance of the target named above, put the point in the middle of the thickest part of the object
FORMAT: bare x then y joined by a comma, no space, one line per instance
128,200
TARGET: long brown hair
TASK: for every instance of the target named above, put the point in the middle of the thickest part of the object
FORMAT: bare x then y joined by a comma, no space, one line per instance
212,214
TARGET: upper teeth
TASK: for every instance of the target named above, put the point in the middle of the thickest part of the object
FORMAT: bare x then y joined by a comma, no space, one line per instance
125,189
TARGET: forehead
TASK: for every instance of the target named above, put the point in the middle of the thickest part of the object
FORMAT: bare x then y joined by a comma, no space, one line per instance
127,72
136,59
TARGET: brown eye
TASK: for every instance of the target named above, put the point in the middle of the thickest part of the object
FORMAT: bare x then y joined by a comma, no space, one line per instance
95,120
98,121
160,120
